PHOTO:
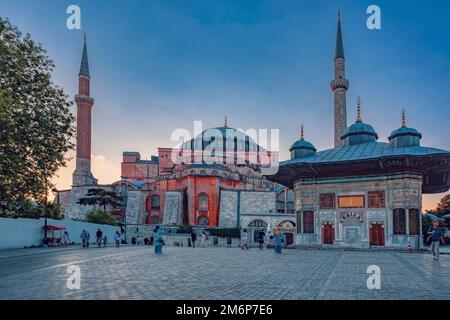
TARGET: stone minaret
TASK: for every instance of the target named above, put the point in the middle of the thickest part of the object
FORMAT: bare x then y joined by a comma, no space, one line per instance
339,86
82,175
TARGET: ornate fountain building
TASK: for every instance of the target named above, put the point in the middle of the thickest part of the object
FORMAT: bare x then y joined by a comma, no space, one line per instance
362,193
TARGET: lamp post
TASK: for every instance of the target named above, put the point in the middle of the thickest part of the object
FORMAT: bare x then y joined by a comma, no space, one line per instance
126,201
45,208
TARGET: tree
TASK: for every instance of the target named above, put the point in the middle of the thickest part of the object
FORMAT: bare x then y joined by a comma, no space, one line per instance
99,216
444,205
101,197
36,126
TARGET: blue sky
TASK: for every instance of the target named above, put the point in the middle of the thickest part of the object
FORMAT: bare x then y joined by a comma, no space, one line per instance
160,65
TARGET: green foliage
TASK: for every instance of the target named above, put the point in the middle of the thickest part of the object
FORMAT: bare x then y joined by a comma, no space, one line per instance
100,197
99,216
225,232
28,209
36,126
443,206
184,229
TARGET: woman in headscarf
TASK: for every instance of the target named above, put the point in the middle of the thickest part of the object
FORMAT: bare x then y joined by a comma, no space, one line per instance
158,240
277,239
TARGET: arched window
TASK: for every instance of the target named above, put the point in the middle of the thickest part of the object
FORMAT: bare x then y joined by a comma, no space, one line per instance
203,172
257,224
154,220
203,202
290,207
202,221
287,225
414,221
308,221
280,206
399,221
155,203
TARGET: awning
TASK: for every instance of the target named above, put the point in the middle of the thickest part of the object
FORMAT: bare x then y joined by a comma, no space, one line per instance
50,227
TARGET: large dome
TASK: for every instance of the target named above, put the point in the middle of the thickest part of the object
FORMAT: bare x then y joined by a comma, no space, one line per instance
225,139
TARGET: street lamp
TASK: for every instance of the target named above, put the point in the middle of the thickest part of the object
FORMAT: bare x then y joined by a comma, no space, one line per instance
126,201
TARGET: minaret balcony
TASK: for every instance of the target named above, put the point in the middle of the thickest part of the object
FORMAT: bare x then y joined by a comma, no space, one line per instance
83,99
340,84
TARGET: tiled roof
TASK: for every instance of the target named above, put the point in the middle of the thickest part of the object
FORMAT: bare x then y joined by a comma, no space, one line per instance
364,151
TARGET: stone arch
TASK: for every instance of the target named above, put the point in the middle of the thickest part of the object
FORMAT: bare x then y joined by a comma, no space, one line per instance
257,223
351,215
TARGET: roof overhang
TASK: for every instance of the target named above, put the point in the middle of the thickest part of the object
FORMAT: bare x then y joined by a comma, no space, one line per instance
435,170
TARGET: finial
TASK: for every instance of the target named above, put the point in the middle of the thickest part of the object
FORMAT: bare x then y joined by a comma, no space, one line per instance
339,15
85,38
302,133
403,118
226,122
358,110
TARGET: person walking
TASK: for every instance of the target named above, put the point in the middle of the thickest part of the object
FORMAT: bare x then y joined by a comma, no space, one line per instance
159,241
204,238
244,245
261,236
193,237
65,239
437,236
277,239
85,237
117,238
99,237
105,240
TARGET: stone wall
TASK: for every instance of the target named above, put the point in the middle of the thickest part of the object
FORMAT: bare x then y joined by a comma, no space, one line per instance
228,209
172,208
71,209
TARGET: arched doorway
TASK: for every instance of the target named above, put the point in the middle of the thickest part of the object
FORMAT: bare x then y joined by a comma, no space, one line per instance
202,221
376,234
327,233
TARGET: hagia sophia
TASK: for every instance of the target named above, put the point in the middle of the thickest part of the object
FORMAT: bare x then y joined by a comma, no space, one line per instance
362,193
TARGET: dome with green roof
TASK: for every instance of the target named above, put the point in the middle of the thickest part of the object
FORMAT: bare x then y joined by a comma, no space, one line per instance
302,148
359,132
404,136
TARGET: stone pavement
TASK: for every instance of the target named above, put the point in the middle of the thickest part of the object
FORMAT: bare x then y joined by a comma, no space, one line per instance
223,273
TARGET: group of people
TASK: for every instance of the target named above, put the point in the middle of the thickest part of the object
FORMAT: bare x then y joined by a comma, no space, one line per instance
274,241
100,238
203,239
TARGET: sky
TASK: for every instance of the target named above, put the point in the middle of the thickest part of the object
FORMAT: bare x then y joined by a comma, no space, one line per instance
160,65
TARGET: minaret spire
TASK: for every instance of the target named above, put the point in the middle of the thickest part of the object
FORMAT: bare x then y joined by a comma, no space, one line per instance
226,122
339,53
302,133
82,175
358,110
339,86
403,118
84,67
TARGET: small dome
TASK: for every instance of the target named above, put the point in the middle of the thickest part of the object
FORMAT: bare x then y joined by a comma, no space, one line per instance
302,144
359,132
404,136
302,148
405,132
